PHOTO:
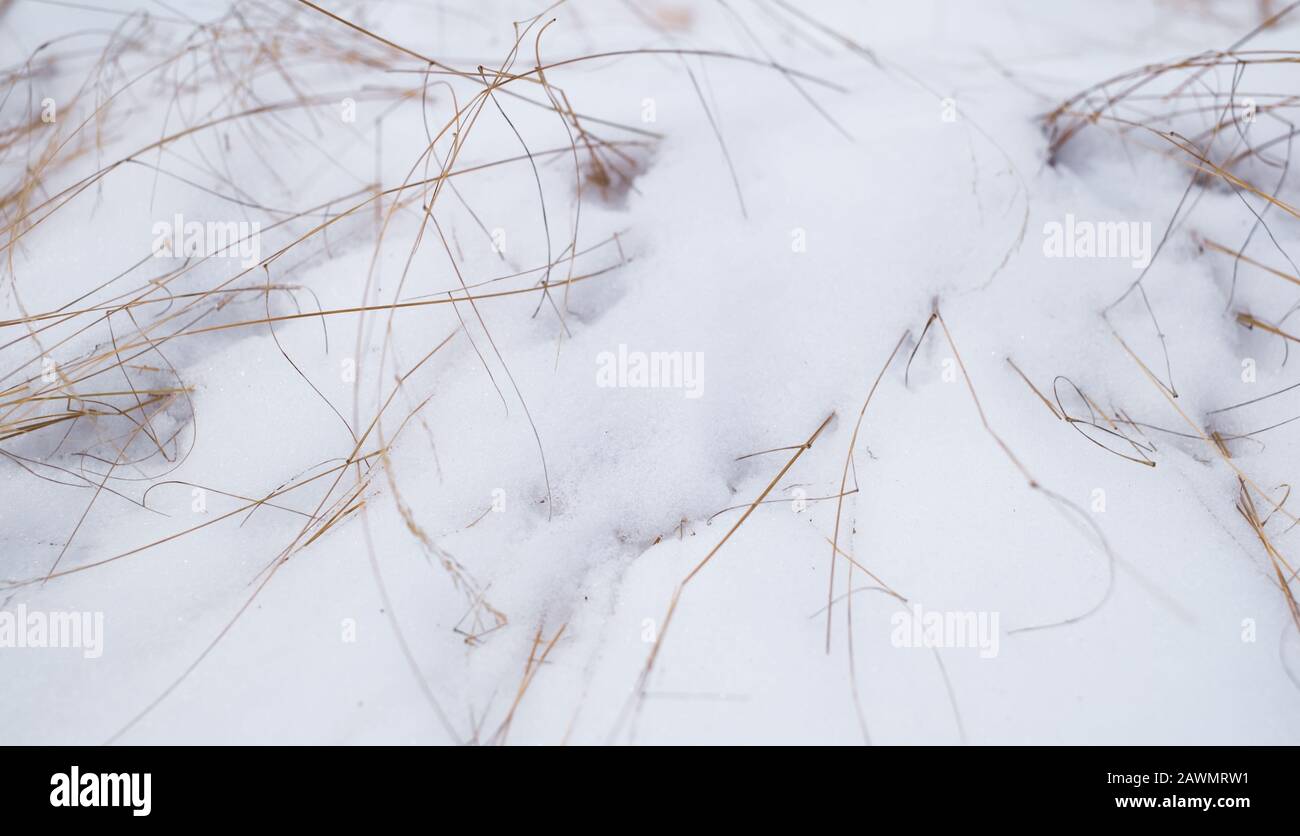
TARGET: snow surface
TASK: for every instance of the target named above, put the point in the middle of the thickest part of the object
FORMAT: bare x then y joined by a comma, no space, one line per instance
608,497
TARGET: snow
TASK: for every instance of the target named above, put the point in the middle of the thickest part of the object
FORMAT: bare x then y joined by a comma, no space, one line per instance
523,512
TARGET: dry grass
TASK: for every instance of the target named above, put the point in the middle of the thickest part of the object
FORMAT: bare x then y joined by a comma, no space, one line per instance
1235,138
115,417
90,423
